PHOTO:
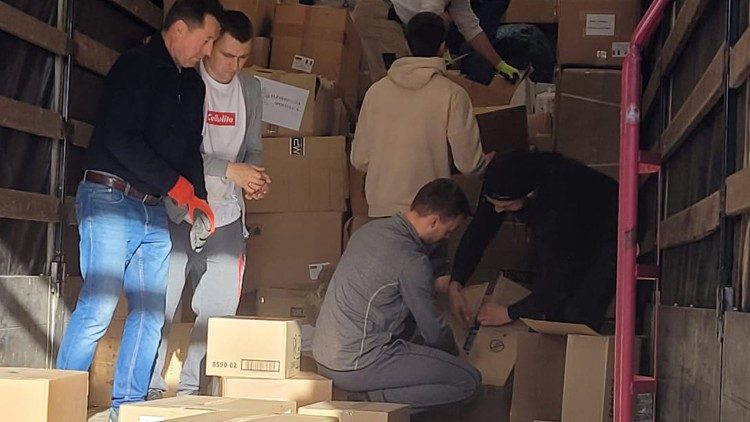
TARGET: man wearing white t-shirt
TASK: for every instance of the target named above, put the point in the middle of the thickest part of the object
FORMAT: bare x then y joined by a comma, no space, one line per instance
232,157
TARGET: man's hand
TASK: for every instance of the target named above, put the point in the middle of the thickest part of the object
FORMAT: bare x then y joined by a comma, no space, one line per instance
457,302
183,194
508,72
442,283
259,194
493,314
247,176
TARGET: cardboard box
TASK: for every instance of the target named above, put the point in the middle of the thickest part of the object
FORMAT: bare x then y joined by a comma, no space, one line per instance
260,12
341,121
43,395
471,184
593,95
230,353
291,250
502,128
308,174
304,388
357,197
282,303
564,372
102,372
493,351
595,32
510,250
474,295
498,93
243,417
612,170
318,40
347,411
531,11
541,131
182,406
317,112
260,53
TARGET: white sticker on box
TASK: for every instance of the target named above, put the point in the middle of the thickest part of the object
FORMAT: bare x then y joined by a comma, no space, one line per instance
283,105
620,49
600,24
150,419
316,269
303,64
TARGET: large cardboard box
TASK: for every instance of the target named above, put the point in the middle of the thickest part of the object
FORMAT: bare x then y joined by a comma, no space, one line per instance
319,40
283,108
308,174
347,411
243,417
232,352
304,388
181,406
42,395
260,12
564,372
260,52
502,128
282,303
510,250
291,250
499,92
531,11
593,95
595,32
102,373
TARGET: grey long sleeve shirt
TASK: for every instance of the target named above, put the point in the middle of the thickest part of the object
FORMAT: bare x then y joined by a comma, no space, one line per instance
384,276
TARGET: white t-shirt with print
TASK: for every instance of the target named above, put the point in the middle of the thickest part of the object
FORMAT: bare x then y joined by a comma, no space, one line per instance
223,134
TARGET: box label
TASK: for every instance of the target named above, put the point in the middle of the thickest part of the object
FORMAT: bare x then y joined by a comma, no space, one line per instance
261,365
602,25
297,146
283,105
296,312
303,64
620,49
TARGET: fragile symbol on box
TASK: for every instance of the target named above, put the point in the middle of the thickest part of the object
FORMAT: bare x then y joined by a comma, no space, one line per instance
302,63
620,49
497,345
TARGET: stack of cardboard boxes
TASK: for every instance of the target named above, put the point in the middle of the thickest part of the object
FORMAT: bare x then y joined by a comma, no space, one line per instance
593,39
295,233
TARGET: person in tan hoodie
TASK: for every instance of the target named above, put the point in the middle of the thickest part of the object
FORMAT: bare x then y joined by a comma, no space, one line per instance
412,121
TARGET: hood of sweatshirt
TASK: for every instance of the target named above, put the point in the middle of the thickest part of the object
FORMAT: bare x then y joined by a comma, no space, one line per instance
415,72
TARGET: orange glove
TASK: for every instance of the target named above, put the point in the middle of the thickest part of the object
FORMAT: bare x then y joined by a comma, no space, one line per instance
183,194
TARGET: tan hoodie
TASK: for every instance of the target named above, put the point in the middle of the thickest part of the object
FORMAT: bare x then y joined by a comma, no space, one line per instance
407,123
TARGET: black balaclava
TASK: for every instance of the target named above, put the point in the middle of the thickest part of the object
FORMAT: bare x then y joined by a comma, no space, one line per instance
511,176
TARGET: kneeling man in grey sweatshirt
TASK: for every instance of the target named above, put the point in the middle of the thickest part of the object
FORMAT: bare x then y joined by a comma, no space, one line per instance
364,340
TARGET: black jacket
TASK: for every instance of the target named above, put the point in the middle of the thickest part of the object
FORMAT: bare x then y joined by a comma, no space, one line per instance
149,128
573,220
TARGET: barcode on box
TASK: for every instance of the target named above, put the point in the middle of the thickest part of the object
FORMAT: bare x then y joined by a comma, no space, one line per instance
261,365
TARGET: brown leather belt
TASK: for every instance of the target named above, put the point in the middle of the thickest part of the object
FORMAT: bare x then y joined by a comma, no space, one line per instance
122,186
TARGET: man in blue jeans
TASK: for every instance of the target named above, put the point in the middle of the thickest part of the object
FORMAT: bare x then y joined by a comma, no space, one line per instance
146,144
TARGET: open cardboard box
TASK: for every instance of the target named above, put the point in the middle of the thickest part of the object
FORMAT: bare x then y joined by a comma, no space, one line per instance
564,372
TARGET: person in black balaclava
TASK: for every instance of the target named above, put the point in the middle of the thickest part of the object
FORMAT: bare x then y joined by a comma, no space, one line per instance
571,211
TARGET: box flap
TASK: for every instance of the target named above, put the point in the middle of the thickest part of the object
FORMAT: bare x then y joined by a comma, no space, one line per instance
508,292
558,328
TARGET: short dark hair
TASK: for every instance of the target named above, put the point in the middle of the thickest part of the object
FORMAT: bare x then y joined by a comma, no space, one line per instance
424,33
442,197
238,25
193,12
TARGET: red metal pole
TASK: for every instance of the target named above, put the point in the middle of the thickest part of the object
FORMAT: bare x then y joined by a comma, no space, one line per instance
628,211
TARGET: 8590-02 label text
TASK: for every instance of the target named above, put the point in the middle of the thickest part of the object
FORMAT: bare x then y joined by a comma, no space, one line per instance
232,365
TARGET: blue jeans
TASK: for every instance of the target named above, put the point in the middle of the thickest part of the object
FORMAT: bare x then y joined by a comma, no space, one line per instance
124,245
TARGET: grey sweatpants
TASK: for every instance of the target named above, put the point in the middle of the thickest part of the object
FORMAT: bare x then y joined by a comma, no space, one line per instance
216,276
408,373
